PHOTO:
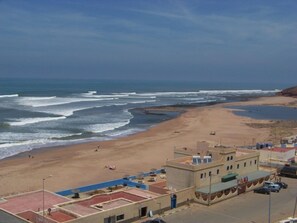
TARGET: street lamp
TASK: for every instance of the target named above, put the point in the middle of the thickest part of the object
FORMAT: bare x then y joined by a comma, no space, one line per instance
269,201
43,181
209,189
269,207
295,208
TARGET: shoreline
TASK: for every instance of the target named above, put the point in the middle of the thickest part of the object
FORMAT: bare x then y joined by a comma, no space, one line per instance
150,110
80,164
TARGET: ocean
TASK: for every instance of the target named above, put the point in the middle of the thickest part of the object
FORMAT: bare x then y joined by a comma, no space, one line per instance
36,113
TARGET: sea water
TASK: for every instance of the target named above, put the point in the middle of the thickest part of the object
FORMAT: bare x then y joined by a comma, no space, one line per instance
266,112
37,113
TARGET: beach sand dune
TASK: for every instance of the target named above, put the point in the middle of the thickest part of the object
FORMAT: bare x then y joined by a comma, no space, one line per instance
84,164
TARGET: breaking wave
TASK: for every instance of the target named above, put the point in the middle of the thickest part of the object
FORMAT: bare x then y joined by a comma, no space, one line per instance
9,96
26,121
99,128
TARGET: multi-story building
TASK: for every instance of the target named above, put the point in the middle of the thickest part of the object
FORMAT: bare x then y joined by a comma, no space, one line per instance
216,173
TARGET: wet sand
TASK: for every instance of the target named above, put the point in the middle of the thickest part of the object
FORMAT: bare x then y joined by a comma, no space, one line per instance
78,165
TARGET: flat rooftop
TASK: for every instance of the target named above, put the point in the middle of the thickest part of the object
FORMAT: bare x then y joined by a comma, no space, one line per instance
280,150
108,201
32,201
60,208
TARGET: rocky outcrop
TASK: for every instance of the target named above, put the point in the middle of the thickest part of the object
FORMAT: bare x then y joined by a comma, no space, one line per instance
289,92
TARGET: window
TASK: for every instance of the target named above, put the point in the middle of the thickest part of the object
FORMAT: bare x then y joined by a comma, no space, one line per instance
255,161
237,166
120,217
231,167
244,164
218,171
201,175
209,173
227,167
228,158
231,157
250,163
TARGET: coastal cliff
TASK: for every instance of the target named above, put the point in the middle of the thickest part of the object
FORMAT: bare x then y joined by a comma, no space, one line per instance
289,92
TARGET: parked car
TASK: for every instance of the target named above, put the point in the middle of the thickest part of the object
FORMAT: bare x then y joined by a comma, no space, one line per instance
282,184
262,190
155,220
268,183
274,188
288,171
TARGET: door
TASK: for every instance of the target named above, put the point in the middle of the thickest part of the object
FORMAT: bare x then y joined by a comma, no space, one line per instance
143,212
173,201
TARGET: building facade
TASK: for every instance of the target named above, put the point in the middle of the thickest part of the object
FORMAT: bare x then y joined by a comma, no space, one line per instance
230,172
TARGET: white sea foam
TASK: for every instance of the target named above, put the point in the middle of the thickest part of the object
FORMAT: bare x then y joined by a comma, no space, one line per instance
13,148
68,111
52,101
99,128
94,94
125,132
203,101
40,98
193,99
130,93
27,121
26,136
118,104
142,102
90,93
207,92
125,93
107,96
237,92
172,94
15,143
9,96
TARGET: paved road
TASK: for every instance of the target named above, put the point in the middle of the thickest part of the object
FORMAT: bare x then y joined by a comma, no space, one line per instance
245,208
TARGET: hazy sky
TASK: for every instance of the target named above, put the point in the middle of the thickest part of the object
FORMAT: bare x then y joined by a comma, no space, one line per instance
207,40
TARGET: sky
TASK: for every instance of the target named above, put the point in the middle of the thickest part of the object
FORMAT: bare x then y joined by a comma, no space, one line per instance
210,40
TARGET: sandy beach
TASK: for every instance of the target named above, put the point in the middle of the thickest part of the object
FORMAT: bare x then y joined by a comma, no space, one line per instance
79,165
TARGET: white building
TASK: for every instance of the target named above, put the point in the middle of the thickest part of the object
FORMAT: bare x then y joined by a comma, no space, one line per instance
277,155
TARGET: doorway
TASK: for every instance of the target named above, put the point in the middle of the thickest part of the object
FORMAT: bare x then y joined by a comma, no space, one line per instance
143,212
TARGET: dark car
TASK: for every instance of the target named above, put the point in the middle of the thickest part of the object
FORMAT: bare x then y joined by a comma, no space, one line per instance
289,171
156,220
262,190
282,184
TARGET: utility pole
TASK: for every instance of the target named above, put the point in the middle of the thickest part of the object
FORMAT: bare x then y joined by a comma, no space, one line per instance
295,208
209,195
43,201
